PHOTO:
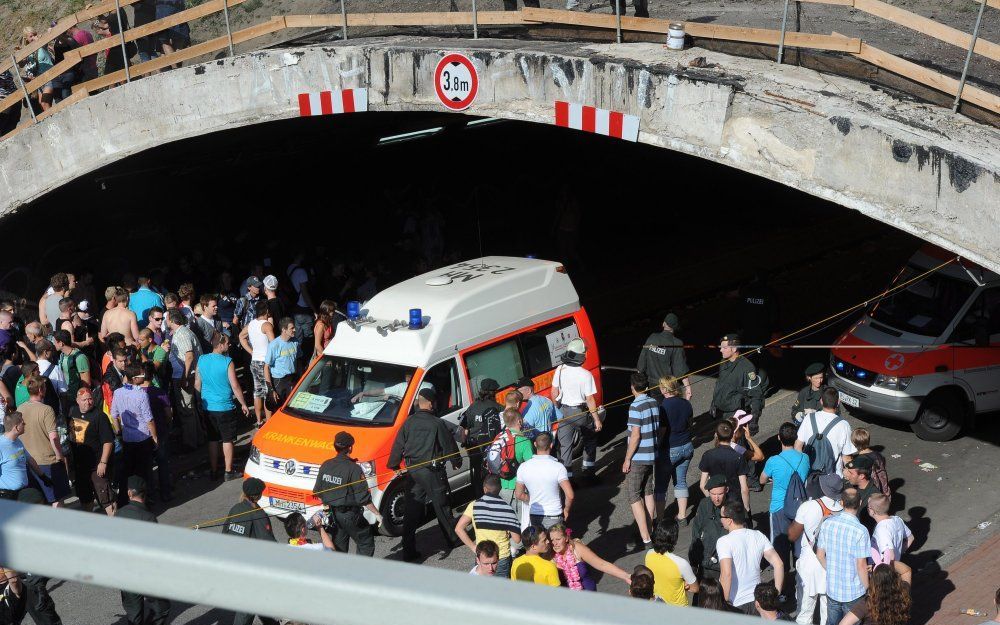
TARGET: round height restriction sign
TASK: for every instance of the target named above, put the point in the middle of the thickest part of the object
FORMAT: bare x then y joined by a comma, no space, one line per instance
456,81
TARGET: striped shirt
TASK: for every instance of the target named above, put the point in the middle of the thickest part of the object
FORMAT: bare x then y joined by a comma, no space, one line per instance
845,540
645,415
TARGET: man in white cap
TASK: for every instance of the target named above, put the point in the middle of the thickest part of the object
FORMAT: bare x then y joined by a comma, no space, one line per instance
810,587
574,388
275,307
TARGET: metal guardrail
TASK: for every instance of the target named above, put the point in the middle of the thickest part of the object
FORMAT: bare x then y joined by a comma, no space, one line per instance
528,16
256,577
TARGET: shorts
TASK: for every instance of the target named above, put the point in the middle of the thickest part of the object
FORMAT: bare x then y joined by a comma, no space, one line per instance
178,36
59,489
259,381
639,482
221,425
96,487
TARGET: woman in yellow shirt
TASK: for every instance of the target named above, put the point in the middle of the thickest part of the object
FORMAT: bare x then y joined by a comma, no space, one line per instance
532,567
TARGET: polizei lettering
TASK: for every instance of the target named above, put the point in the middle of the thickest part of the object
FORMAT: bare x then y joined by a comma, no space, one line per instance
331,479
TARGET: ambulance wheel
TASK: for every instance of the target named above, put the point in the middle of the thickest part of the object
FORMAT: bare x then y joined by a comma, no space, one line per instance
393,505
941,418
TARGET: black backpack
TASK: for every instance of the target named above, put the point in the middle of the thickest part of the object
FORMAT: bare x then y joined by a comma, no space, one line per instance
483,422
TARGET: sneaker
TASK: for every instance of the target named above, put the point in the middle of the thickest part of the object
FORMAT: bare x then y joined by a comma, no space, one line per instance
232,475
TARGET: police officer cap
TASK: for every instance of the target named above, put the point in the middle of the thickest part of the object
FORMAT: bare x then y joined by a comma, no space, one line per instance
732,337
814,368
525,382
428,394
716,481
861,462
489,385
137,483
672,321
253,487
343,440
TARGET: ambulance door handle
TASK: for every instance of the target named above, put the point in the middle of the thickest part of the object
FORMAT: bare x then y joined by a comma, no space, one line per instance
941,368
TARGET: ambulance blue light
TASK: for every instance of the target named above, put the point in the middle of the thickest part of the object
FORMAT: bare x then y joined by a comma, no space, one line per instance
861,373
353,309
840,365
416,319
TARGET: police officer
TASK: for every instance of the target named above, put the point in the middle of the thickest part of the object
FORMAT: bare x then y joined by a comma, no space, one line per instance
246,519
758,309
39,602
808,399
739,386
138,606
662,356
481,423
706,528
341,486
421,443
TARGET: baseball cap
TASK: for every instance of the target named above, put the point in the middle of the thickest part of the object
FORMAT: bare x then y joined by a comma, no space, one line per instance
428,394
525,381
814,368
253,487
716,481
270,283
672,321
254,281
489,385
832,485
860,462
732,337
343,439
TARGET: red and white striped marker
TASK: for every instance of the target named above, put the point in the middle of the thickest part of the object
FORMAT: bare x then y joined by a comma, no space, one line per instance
597,121
333,102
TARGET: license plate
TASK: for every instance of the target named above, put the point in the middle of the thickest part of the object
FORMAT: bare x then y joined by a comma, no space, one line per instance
283,504
851,401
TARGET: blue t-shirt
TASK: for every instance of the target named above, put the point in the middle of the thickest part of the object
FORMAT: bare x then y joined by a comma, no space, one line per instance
281,355
780,468
216,393
676,412
141,301
13,464
538,415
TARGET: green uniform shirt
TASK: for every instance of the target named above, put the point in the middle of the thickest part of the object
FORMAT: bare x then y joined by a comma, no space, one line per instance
739,388
807,399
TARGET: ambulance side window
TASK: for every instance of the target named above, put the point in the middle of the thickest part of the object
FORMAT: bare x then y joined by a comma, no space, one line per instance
443,377
981,323
542,345
501,361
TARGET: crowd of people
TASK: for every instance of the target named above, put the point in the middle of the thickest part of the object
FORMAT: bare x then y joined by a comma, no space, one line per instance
91,66
95,395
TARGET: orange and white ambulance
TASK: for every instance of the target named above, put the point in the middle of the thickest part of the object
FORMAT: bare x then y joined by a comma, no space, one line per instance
929,354
498,317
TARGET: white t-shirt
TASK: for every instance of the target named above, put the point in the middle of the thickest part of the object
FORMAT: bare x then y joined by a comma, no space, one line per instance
298,276
839,437
891,533
746,549
541,476
56,375
312,547
573,385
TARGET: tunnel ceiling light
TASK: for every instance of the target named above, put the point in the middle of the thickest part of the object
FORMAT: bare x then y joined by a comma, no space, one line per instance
410,136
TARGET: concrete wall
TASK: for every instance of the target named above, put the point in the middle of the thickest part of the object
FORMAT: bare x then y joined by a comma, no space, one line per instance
911,165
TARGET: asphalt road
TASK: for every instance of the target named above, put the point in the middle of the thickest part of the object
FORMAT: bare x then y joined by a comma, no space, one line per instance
942,506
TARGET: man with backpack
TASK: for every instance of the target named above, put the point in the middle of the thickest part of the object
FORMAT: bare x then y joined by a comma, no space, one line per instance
826,437
509,450
810,586
788,472
481,424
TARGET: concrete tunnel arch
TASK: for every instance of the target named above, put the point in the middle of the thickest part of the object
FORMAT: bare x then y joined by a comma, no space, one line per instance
914,166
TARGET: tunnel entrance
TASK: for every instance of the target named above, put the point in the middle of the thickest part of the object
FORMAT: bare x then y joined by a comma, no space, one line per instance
389,195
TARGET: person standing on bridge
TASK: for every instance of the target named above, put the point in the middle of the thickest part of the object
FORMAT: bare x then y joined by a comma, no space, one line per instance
662,356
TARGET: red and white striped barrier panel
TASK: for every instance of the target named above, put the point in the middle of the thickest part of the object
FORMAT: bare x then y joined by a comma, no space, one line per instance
333,102
597,121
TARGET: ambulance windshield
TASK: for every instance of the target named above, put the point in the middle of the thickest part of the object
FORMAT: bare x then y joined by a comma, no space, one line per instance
346,390
926,307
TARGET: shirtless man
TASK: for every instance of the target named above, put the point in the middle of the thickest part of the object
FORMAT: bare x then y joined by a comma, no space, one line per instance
120,319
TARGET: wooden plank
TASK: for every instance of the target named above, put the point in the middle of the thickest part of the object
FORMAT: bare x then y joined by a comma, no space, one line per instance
928,27
70,59
846,3
101,9
206,47
332,20
11,100
837,43
993,3
159,25
20,127
71,100
928,77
